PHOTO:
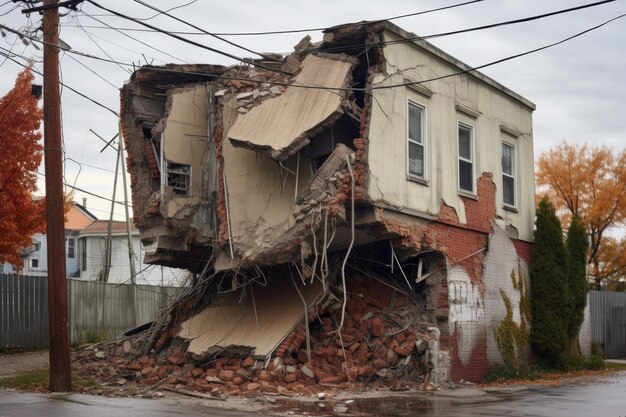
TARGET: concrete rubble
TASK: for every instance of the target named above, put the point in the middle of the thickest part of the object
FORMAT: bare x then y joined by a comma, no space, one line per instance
383,341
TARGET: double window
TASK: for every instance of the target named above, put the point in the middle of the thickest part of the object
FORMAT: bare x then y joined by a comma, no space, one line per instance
508,174
465,148
416,141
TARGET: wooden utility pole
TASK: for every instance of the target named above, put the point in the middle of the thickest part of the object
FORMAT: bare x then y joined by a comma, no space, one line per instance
60,373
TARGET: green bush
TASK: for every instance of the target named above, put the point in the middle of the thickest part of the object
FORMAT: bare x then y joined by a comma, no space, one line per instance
577,247
551,298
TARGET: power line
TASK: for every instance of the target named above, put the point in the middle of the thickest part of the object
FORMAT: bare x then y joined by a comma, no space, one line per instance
86,192
204,31
472,29
189,41
276,32
365,89
63,84
127,35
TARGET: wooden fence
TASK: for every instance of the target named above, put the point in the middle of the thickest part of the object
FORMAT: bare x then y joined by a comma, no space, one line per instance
95,309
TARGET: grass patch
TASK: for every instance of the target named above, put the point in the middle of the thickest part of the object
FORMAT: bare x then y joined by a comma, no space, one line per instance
39,380
615,366
35,380
503,373
539,370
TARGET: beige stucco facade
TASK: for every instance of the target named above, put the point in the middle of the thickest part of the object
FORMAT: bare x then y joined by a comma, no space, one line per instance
494,113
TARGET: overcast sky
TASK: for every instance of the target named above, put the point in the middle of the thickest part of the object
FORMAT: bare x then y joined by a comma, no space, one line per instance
579,87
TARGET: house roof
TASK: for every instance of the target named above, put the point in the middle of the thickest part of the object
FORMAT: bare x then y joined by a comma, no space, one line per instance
78,218
433,50
100,228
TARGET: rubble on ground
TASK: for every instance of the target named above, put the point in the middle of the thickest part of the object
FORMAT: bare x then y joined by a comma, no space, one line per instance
382,344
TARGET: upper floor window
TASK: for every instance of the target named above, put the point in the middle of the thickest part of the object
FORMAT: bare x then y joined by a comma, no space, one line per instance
71,248
466,157
416,141
508,174
34,263
179,178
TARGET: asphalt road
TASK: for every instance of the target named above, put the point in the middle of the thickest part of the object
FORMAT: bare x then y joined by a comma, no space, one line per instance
14,404
604,397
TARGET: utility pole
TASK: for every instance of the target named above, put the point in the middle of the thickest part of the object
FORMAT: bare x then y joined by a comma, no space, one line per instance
131,254
60,372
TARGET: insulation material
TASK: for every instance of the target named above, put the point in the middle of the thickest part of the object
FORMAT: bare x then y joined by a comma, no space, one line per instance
281,126
228,326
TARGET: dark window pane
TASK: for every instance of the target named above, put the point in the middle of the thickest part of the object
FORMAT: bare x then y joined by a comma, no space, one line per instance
465,142
415,123
466,180
416,159
507,159
508,186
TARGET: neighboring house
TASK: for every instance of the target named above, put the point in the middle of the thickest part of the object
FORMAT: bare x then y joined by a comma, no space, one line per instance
439,158
92,249
36,257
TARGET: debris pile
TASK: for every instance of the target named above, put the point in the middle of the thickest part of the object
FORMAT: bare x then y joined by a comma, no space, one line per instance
380,344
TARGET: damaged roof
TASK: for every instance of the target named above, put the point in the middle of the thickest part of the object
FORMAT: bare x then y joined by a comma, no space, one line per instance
283,125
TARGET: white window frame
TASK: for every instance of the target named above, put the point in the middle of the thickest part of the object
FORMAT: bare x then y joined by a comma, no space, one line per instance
30,264
73,240
414,177
471,161
512,175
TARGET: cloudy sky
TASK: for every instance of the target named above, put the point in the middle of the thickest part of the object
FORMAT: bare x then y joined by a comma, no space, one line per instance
579,87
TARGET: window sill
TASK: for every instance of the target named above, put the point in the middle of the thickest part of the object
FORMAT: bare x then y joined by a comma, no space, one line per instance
418,180
467,194
510,208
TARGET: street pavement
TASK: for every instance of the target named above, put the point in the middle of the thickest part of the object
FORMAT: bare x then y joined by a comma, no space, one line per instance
605,396
13,404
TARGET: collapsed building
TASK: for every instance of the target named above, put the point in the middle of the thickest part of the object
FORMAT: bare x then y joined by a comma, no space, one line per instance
359,207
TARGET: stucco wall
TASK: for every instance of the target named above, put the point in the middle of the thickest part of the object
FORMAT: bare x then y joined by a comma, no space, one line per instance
185,133
387,153
261,193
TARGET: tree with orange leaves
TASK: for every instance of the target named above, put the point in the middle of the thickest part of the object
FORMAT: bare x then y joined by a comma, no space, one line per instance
590,182
20,155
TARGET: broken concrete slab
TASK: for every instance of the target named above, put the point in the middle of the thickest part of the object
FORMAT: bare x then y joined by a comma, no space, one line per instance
257,325
283,125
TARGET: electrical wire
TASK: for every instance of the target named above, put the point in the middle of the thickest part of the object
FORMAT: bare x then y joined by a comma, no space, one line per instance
131,37
467,30
88,192
276,32
168,10
63,84
366,89
189,41
204,31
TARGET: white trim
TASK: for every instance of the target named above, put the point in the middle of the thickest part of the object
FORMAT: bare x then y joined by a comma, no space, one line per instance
512,175
473,191
410,176
467,111
510,131
419,88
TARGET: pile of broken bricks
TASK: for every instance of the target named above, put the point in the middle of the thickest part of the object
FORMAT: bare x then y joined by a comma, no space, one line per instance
381,345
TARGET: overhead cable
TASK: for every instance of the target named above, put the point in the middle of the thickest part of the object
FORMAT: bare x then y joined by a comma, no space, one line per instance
472,29
204,31
277,32
189,41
